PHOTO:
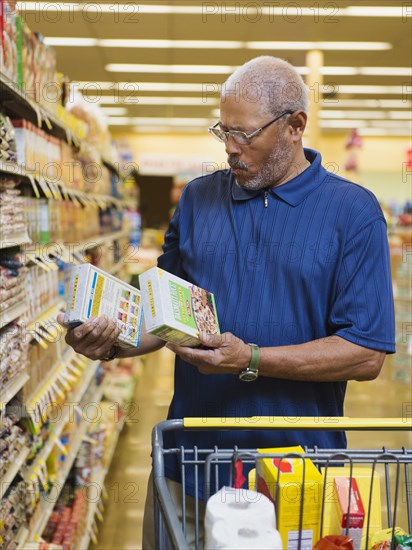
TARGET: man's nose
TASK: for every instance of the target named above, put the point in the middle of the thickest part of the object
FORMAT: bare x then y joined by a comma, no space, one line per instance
231,147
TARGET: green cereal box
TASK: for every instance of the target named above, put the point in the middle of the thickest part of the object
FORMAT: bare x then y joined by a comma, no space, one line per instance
175,310
93,293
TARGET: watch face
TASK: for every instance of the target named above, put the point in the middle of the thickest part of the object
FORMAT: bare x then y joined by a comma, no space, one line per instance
248,375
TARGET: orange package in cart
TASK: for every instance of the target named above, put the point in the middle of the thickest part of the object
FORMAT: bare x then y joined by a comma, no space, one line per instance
289,475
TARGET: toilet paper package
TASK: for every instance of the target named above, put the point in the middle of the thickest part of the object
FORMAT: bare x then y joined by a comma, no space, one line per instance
241,519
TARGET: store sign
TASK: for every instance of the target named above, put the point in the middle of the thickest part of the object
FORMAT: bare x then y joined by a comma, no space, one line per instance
172,165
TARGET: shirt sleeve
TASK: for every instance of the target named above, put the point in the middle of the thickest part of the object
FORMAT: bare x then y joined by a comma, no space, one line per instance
363,311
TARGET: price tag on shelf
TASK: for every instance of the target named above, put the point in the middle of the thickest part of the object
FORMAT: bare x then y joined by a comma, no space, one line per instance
34,185
60,445
45,187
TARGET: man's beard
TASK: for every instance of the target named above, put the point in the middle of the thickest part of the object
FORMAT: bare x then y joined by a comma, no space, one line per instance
272,171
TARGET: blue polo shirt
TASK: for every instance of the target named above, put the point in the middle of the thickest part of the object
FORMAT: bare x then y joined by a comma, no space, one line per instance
310,261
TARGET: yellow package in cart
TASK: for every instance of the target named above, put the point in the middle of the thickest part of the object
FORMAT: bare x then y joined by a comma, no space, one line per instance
94,293
295,477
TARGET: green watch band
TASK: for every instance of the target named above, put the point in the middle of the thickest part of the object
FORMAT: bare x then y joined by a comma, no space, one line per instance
252,371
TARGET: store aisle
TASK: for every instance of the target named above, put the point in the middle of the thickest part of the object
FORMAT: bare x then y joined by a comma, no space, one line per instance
126,483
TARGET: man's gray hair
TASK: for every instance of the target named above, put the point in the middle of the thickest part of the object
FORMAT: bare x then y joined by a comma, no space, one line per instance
270,81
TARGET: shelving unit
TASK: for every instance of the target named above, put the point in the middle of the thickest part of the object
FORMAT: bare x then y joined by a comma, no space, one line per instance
98,480
16,105
13,471
11,314
12,388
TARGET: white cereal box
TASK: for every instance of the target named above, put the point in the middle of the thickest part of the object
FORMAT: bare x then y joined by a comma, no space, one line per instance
93,293
175,310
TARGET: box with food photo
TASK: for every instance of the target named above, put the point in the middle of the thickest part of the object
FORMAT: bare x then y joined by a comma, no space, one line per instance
93,292
176,310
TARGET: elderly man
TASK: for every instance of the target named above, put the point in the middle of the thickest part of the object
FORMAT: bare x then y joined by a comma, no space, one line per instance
297,258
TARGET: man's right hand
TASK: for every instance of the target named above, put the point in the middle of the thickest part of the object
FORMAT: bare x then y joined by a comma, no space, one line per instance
94,338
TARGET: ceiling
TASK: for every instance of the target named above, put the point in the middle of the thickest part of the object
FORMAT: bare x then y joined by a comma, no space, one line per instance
157,97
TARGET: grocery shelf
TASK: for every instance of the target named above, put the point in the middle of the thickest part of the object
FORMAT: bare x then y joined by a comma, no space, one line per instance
59,426
15,103
14,239
100,240
12,313
12,169
11,473
48,505
12,388
21,537
49,315
98,479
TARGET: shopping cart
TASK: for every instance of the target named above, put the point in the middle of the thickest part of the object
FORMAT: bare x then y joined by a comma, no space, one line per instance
394,468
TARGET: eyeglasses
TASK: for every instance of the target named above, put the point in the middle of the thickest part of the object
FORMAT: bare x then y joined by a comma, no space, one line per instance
241,138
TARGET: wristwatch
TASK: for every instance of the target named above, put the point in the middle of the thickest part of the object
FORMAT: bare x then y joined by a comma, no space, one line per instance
252,371
112,353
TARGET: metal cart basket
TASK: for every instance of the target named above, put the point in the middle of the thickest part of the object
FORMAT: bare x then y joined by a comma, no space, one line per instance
393,465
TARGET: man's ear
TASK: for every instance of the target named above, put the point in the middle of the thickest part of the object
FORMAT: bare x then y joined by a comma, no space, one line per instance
297,124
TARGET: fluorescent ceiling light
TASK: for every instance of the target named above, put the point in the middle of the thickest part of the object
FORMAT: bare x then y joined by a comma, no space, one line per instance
367,71
215,44
144,121
153,100
364,89
292,45
173,69
118,111
342,123
70,41
365,103
366,114
133,87
184,44
395,132
168,129
291,12
377,11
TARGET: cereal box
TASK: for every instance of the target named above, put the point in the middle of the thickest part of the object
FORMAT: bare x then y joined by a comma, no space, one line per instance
283,480
93,293
175,310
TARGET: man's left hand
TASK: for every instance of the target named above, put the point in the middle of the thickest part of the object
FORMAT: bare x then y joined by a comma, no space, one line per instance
226,354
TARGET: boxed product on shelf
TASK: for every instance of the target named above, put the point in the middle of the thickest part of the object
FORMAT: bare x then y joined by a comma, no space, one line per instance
42,291
12,218
8,148
284,481
14,511
175,310
12,282
12,441
8,39
13,353
94,293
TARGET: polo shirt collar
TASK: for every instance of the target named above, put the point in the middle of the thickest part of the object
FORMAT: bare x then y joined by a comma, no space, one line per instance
295,190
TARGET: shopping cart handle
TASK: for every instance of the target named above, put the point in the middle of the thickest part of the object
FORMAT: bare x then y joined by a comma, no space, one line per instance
299,422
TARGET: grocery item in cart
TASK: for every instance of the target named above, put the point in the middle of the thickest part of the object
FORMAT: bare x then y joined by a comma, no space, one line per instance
363,476
94,293
239,518
175,310
283,480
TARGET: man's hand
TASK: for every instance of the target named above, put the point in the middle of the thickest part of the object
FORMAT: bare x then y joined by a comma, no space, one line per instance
94,339
227,354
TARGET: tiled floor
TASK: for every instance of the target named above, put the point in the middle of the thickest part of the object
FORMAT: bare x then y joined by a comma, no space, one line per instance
126,482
